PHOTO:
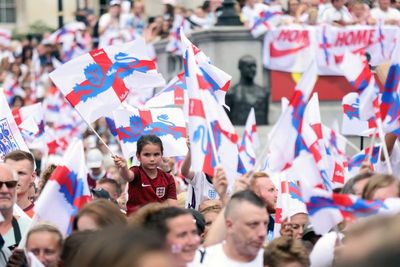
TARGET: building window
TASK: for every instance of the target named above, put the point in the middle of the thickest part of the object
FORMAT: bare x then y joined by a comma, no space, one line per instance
7,11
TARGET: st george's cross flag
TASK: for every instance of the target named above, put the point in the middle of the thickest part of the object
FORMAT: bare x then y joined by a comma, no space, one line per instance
66,191
97,82
166,123
173,94
250,142
10,135
213,139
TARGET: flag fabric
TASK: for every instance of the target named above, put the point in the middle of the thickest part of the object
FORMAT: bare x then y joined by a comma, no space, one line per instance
357,71
351,123
390,99
99,81
213,138
166,123
284,140
30,120
266,19
10,136
289,202
209,76
335,150
66,191
5,37
250,142
355,162
326,210
173,94
72,39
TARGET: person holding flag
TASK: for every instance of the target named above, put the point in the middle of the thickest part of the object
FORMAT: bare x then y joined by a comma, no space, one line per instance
147,183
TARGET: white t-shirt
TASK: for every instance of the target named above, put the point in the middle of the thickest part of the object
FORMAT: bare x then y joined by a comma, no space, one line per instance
199,189
24,224
250,14
331,14
391,13
215,256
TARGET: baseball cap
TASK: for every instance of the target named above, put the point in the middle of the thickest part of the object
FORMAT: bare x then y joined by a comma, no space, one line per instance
94,158
100,193
115,3
200,222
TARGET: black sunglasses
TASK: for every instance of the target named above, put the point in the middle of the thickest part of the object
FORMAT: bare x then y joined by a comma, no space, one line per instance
9,184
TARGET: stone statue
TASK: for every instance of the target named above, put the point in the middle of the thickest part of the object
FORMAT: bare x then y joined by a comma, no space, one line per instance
246,94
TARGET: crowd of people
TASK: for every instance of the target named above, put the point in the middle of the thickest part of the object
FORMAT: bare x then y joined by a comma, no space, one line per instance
156,211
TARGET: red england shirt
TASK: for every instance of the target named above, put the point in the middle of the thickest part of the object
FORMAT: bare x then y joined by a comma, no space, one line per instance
143,189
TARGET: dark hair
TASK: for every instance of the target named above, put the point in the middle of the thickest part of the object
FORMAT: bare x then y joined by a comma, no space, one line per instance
106,180
148,139
117,247
348,187
243,196
18,155
285,250
73,244
200,221
376,182
157,221
45,176
103,212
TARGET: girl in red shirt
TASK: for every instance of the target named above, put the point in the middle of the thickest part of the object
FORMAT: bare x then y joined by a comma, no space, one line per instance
147,183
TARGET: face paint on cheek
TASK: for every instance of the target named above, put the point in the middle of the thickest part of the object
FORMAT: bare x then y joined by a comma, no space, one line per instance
176,248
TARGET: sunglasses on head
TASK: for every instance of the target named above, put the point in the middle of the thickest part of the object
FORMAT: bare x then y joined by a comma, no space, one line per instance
9,184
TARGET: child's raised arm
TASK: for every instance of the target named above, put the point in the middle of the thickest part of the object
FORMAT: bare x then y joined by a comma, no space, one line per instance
122,165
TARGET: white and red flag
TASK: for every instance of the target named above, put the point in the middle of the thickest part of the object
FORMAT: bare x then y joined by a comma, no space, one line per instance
166,123
213,138
268,18
66,191
250,142
10,136
96,83
173,94
5,37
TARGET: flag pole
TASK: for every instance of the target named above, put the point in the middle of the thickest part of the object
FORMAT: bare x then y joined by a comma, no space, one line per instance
371,148
384,147
94,131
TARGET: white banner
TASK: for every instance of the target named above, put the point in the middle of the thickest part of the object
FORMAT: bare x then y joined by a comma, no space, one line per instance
290,49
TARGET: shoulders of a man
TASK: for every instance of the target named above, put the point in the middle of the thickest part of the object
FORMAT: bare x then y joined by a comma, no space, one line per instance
215,256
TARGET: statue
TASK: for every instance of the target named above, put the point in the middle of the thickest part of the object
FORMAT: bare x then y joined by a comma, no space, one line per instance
246,94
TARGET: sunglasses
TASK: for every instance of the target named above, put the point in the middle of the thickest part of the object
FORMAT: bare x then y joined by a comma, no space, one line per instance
9,184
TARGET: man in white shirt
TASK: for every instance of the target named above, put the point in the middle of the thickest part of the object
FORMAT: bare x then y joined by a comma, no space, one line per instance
246,220
337,14
386,13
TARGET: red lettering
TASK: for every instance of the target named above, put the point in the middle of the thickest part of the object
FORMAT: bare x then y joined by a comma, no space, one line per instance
294,36
361,37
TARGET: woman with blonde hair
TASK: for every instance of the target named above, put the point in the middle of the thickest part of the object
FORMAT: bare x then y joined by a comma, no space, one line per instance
380,187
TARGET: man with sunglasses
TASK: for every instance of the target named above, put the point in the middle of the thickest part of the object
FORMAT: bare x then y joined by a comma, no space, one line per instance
13,227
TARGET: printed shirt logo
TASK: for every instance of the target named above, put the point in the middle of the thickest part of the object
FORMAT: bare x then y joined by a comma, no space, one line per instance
7,140
212,194
160,192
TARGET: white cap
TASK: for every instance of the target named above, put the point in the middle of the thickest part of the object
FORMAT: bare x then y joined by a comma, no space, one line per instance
171,2
94,158
115,2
